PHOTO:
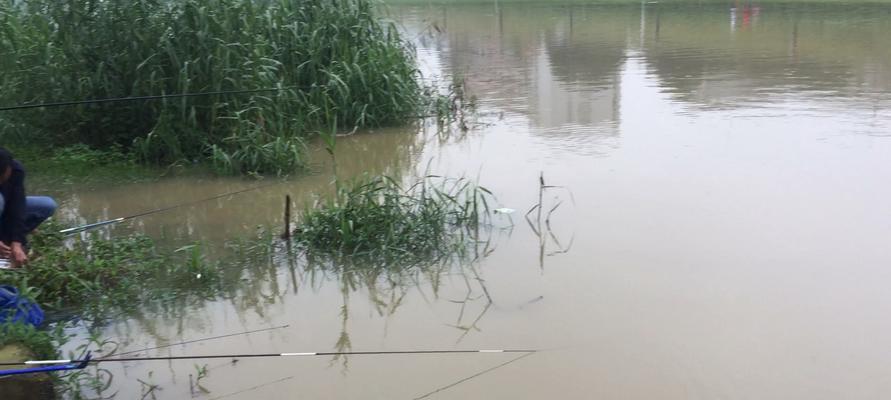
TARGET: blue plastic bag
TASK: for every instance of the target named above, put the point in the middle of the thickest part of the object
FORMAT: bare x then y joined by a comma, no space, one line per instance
14,308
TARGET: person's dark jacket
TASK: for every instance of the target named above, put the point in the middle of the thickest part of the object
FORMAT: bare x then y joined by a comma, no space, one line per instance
13,218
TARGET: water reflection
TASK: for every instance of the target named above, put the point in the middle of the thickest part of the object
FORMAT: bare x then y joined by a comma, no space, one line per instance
731,219
561,65
384,152
263,273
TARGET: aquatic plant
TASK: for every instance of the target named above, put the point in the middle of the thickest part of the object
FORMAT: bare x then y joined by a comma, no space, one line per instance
334,63
377,217
118,272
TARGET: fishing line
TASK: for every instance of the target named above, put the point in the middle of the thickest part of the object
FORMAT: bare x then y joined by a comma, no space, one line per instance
86,227
152,97
483,372
267,355
165,96
198,340
252,388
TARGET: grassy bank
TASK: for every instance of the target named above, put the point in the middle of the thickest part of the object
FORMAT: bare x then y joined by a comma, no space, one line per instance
55,168
336,66
96,279
104,275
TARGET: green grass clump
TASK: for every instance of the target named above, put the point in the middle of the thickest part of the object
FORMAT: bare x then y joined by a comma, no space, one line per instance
378,217
76,274
337,64
43,344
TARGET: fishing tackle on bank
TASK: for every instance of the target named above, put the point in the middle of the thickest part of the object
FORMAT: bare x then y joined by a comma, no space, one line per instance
262,355
81,364
153,97
86,360
82,228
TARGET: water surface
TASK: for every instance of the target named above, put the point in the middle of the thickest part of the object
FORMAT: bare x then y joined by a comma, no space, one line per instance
724,231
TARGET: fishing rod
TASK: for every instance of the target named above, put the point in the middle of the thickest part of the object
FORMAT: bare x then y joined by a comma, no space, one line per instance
264,355
82,228
166,96
152,97
87,359
52,368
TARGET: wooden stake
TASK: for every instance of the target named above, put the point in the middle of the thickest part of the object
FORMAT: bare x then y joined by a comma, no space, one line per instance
287,233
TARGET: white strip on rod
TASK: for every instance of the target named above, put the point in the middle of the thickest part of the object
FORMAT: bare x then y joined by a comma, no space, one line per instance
48,362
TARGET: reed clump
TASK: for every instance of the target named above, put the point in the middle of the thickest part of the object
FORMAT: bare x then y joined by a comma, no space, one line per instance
378,217
337,65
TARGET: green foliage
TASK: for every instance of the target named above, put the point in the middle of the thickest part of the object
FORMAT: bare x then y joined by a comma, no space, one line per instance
118,272
336,63
43,344
452,105
277,155
80,164
379,218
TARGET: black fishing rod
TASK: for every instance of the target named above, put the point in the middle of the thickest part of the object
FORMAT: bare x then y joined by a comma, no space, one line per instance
153,97
263,355
82,228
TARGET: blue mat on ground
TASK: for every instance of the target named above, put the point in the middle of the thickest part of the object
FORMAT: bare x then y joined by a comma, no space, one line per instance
15,309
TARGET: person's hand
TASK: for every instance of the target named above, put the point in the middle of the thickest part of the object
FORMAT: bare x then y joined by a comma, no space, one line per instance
5,250
18,254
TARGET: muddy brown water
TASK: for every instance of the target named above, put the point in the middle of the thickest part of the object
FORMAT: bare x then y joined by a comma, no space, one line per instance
727,218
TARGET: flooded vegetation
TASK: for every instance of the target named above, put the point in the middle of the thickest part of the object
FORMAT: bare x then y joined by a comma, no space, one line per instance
692,204
279,72
376,217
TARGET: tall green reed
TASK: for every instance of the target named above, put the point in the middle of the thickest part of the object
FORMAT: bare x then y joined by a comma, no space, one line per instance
336,62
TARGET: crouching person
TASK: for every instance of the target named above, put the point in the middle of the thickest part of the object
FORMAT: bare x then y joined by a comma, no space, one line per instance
19,214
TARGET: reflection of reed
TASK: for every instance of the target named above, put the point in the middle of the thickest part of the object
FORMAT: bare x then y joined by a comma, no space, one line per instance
541,225
466,328
387,284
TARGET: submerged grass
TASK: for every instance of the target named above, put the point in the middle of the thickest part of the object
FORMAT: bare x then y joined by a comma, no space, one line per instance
337,65
377,217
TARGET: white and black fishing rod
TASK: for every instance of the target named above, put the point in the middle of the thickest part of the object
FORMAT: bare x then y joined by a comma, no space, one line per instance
82,228
265,355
